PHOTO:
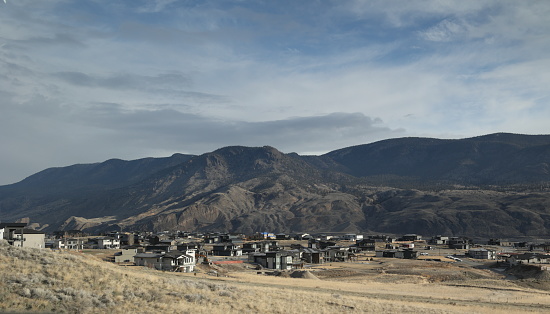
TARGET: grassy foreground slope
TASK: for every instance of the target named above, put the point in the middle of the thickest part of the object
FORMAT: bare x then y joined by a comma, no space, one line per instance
45,281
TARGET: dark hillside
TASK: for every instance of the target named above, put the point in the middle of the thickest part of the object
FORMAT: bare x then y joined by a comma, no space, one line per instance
486,160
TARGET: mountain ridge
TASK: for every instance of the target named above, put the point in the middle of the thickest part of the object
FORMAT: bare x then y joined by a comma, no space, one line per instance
440,187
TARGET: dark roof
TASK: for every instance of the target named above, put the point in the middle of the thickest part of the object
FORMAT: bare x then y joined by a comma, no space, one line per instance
148,255
176,255
13,225
28,231
525,256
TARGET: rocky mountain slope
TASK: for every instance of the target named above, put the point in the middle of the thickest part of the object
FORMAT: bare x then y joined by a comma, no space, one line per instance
482,186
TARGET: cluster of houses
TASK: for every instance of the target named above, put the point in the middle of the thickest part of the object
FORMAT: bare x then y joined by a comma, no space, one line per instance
180,251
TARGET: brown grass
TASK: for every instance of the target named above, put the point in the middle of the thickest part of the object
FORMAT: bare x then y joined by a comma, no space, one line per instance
45,281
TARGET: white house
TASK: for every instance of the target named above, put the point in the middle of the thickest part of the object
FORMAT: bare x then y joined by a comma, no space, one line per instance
68,244
108,243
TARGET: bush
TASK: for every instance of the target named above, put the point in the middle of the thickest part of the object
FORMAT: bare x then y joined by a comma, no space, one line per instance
195,298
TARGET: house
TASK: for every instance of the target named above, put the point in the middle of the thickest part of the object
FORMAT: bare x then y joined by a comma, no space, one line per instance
528,258
381,238
148,259
386,253
499,242
254,247
319,244
405,254
282,236
545,247
352,237
68,244
108,243
180,261
211,239
459,243
164,247
270,245
189,246
438,240
326,237
336,254
312,256
302,236
227,249
184,235
127,255
481,253
17,235
30,238
411,237
281,260
172,261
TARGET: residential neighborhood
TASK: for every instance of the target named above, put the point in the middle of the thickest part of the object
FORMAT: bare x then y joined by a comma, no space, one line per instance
181,251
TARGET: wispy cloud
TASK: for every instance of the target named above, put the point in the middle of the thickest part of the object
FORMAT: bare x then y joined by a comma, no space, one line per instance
88,80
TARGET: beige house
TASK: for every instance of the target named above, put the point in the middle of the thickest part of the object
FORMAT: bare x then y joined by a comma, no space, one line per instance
127,255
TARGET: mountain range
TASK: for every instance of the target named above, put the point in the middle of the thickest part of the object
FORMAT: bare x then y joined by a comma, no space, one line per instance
495,185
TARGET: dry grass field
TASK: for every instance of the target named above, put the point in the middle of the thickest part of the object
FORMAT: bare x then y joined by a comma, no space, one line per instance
47,281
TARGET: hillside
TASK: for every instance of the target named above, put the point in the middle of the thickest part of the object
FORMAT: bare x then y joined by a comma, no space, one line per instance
408,185
40,281
496,159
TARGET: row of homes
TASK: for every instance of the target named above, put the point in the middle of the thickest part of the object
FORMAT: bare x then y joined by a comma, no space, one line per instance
296,258
529,258
170,250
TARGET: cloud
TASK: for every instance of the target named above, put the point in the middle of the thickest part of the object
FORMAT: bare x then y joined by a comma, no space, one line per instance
446,30
191,133
84,81
126,81
56,40
154,6
62,135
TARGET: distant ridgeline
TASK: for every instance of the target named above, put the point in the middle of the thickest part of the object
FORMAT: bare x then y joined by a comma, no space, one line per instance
491,186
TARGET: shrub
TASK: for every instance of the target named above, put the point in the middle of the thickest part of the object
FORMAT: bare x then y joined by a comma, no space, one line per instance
195,298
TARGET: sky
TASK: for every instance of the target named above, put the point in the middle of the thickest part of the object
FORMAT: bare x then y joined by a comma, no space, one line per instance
83,81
